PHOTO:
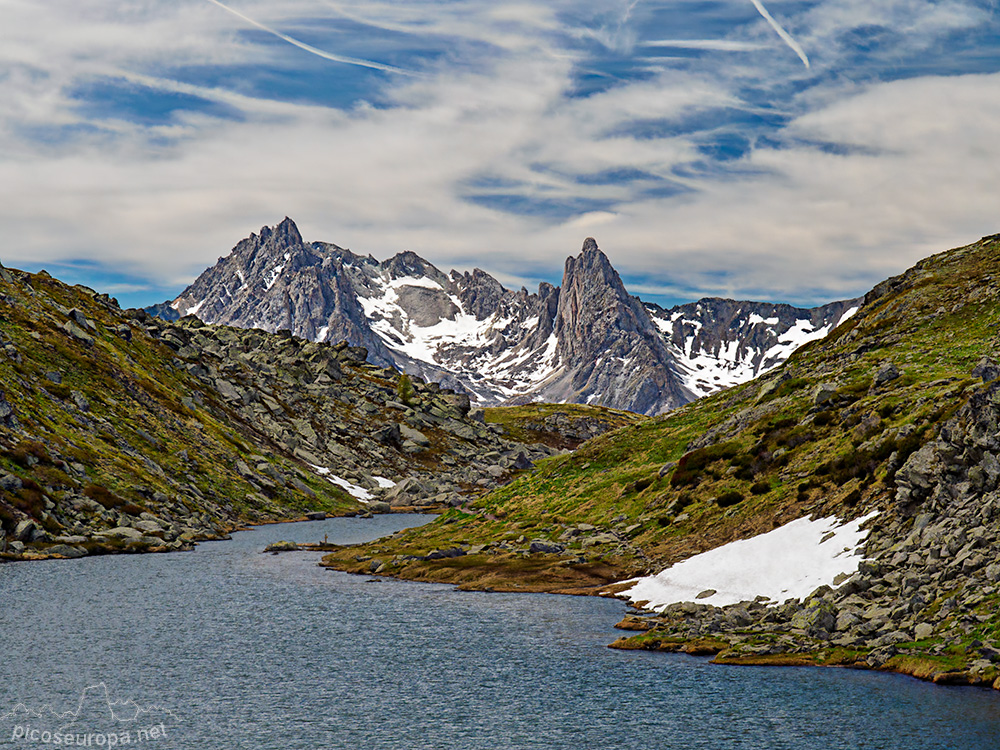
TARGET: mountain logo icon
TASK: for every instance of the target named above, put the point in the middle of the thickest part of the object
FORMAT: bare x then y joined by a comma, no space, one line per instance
97,721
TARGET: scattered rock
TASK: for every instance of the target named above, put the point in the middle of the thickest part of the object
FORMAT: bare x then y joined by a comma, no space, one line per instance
7,418
886,373
546,548
64,550
824,393
283,546
986,369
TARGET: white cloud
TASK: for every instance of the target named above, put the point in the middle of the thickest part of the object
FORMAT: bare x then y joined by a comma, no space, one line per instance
797,222
721,45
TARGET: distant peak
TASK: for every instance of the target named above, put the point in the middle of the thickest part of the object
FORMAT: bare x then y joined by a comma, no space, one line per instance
590,261
288,232
272,240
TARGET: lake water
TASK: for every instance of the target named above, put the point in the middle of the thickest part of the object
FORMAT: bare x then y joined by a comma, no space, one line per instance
272,652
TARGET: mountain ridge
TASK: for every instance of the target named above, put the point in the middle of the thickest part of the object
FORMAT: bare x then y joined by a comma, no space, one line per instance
586,341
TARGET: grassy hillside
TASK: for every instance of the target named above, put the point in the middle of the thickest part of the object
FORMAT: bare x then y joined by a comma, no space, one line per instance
123,432
563,426
837,430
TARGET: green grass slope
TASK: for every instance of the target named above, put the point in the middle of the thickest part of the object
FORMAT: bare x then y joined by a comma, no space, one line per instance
101,426
888,413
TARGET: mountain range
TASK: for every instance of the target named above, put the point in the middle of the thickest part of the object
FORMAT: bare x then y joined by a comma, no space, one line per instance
588,341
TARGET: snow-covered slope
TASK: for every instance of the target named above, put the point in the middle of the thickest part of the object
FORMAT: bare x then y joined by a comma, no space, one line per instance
789,562
719,343
587,341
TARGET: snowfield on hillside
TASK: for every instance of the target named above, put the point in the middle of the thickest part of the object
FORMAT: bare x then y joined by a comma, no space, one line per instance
788,563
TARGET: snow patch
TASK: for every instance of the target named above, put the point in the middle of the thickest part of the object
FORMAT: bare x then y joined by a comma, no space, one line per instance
358,493
462,335
421,281
788,563
273,276
194,310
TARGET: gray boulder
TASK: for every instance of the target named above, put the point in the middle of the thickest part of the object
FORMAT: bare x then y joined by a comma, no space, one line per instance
7,418
24,530
824,393
546,548
886,373
65,550
407,492
986,369
413,436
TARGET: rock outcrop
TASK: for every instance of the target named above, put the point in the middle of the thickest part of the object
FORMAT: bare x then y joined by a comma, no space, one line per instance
608,350
923,598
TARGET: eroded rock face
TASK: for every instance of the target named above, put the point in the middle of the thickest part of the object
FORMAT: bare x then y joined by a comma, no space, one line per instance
609,351
274,281
7,418
587,341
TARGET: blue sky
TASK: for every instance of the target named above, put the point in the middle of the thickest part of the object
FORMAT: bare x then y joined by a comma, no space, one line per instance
760,149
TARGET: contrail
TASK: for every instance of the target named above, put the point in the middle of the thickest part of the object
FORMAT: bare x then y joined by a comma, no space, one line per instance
314,50
777,27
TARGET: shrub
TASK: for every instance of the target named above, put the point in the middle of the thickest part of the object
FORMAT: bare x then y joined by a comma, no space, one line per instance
404,391
29,499
760,488
691,465
103,496
28,453
824,418
637,486
729,498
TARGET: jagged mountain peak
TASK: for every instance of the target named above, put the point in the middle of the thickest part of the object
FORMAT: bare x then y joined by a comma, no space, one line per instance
588,341
285,233
591,276
270,242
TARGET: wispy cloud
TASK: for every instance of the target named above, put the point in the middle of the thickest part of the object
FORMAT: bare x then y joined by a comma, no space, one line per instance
721,45
528,128
785,36
313,50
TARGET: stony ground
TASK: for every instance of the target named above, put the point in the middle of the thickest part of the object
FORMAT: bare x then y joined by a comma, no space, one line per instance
121,432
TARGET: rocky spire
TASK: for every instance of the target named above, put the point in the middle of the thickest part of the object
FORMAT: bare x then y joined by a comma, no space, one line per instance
593,304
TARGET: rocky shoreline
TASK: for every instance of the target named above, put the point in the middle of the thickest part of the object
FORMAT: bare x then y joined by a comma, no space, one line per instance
924,599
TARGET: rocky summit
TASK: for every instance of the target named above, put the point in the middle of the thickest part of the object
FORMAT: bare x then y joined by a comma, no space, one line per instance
891,423
124,432
587,341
